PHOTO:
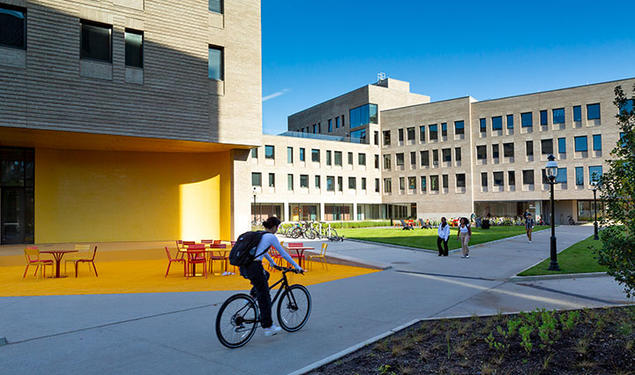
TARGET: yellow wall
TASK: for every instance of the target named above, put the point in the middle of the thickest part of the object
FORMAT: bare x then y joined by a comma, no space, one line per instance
102,196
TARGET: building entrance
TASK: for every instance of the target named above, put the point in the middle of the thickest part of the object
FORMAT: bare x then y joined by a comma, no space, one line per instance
16,195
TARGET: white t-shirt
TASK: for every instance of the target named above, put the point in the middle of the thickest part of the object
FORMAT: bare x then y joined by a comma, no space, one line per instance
464,229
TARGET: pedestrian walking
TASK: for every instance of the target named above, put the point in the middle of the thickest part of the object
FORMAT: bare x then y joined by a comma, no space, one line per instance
529,226
444,235
465,232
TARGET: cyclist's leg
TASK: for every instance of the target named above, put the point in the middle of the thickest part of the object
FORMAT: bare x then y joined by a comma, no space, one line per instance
259,279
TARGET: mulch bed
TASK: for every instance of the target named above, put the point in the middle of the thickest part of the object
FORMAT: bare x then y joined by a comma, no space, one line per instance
589,341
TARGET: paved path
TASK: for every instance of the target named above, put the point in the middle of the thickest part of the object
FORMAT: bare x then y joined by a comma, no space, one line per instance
172,332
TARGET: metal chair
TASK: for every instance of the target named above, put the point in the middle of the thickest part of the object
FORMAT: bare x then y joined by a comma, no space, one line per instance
32,255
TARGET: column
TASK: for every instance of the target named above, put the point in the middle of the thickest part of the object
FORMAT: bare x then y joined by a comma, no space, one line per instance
354,211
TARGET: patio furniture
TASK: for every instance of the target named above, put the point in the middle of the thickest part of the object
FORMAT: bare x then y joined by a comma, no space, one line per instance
196,255
218,255
321,256
58,255
73,257
178,260
90,260
32,255
299,249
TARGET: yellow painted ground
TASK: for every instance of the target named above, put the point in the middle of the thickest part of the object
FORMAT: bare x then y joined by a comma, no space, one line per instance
142,271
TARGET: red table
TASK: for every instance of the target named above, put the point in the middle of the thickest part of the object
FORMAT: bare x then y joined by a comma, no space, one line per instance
299,250
58,255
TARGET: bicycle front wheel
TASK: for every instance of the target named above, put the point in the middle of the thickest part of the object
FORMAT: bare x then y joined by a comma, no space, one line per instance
310,234
236,321
294,308
296,232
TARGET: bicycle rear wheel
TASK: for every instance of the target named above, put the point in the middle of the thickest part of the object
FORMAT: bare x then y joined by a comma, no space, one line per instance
310,234
296,232
236,321
294,308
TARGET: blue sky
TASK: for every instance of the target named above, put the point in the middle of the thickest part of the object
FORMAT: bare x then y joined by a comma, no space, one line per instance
315,50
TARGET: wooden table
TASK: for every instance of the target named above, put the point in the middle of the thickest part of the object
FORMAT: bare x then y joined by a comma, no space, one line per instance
58,255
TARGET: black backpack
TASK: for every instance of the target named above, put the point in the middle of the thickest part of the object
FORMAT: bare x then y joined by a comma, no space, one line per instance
244,250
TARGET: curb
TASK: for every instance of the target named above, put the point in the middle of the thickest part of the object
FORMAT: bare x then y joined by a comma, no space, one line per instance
518,279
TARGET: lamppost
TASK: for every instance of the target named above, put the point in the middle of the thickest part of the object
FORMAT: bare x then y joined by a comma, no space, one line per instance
254,210
552,172
594,184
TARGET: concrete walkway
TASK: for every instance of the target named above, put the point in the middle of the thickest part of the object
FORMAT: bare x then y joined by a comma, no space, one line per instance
173,332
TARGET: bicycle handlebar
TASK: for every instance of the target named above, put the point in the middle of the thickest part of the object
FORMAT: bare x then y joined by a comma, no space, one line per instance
287,269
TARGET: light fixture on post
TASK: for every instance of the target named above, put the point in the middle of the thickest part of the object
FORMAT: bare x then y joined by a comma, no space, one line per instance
594,187
552,172
254,221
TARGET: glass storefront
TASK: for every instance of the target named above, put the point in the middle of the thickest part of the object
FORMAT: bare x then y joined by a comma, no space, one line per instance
586,210
304,212
260,212
334,212
371,212
17,180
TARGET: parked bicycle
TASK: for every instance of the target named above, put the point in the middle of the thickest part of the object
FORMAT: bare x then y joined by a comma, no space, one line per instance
326,231
238,317
305,230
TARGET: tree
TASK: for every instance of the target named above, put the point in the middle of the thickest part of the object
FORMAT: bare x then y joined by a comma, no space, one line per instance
617,188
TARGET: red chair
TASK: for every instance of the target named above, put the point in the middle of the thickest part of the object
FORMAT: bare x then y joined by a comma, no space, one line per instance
196,255
32,255
233,243
90,260
295,254
207,242
178,260
221,256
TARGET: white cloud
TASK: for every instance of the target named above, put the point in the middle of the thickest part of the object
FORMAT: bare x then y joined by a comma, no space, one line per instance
275,95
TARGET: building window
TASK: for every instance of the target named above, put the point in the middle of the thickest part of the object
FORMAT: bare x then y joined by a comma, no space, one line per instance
352,183
546,146
400,159
425,158
376,161
270,152
423,183
558,116
483,125
215,68
337,122
272,180
328,158
256,179
96,41
577,113
579,176
411,134
422,133
387,185
304,180
376,137
402,183
386,137
444,129
216,6
290,182
435,157
358,136
526,120
434,132
511,176
498,179
343,123
314,128
543,117
363,183
528,177
510,121
315,155
446,154
481,152
317,182
561,177
254,153
412,183
529,145
363,115
413,159
400,132
626,108
290,155
434,183
330,183
508,150
497,123
302,157
376,185
562,145
593,111
387,163
338,158
134,48
460,180
350,158
595,173
446,181
457,154
597,142
459,127
484,179
581,143
495,153
330,125
12,27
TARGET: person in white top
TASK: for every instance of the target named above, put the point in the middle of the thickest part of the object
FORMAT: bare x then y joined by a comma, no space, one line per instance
465,232
444,235
260,278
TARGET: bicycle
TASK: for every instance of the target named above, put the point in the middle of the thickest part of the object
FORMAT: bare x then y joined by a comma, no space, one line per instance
238,317
306,231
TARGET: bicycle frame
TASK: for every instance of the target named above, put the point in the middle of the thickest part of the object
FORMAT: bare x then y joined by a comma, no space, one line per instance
284,286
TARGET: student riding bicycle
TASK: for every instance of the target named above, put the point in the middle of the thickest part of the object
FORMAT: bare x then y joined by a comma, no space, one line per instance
259,278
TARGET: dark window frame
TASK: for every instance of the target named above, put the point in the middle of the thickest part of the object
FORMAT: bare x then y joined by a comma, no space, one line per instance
222,61
81,40
222,7
137,32
24,25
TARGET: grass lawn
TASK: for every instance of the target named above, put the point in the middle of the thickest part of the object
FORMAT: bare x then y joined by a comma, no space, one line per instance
427,238
577,258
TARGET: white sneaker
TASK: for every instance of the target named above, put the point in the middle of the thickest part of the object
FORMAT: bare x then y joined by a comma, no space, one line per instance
467,256
273,330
